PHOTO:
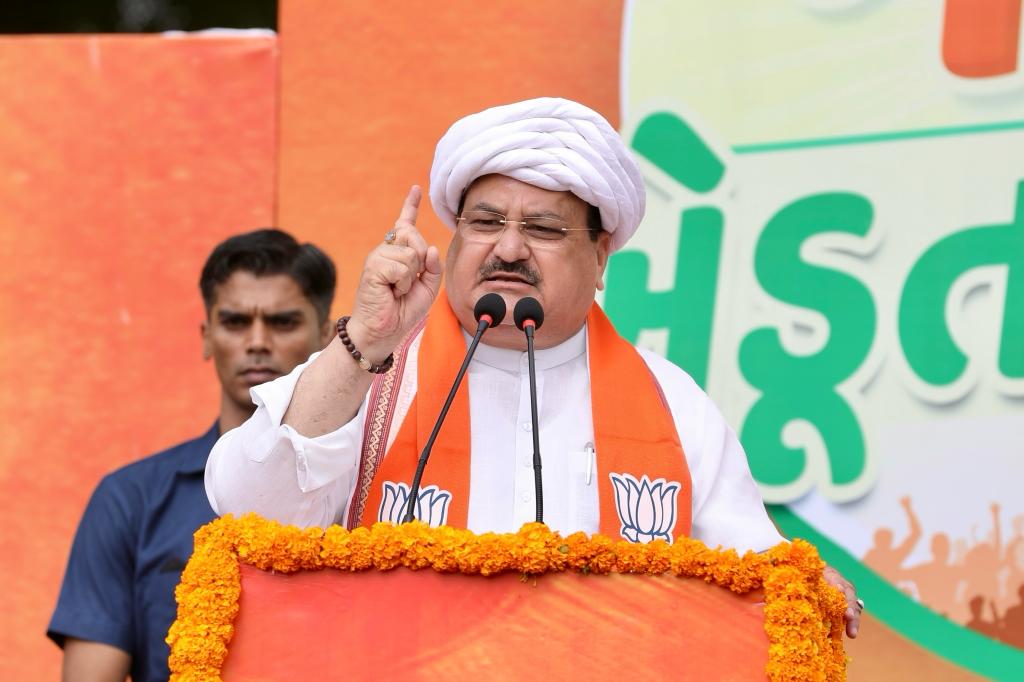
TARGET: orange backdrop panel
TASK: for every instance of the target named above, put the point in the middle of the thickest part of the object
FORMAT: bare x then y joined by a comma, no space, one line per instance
367,89
123,160
319,625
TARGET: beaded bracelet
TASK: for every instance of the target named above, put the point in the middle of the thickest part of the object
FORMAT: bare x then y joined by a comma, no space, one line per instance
351,348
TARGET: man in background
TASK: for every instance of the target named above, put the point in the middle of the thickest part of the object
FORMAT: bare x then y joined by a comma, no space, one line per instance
267,302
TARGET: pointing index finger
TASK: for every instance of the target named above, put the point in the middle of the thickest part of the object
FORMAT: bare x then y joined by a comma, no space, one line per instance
410,209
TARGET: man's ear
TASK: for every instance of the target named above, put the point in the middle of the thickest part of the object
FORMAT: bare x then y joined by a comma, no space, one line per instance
603,247
326,332
204,333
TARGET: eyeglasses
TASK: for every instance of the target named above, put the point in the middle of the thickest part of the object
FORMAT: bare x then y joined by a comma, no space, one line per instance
486,227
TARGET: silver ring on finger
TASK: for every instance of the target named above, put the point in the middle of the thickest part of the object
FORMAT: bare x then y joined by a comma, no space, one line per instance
860,603
390,236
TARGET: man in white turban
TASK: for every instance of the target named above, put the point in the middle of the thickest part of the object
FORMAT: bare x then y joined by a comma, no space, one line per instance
538,195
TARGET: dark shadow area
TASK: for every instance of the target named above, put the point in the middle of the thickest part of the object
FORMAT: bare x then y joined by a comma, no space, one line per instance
134,16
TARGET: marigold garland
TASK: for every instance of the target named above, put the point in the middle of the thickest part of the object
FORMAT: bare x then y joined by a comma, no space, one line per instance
803,614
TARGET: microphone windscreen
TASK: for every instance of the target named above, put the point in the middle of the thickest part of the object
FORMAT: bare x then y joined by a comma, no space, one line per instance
528,309
492,305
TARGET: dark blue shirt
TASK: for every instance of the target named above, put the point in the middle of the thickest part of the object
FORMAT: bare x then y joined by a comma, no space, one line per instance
131,546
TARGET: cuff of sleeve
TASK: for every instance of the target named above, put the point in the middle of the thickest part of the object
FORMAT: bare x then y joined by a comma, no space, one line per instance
326,458
755,537
320,460
66,625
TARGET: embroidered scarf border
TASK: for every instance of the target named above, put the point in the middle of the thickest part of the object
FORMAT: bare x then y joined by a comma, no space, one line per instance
381,406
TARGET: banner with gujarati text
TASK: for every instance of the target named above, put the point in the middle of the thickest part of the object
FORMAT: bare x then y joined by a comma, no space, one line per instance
834,248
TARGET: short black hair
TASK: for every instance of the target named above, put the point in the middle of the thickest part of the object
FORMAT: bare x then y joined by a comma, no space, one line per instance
594,224
269,251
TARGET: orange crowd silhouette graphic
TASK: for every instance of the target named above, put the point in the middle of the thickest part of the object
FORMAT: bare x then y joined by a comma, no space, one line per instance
978,583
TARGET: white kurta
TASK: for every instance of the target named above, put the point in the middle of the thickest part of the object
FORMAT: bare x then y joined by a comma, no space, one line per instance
268,467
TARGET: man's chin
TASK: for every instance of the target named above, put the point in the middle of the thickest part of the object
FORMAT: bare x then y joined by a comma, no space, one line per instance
240,392
239,395
506,335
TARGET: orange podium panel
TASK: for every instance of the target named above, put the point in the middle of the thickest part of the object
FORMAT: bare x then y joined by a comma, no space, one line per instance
261,601
425,625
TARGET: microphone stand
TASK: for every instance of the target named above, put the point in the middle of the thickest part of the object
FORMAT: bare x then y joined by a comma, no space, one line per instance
414,491
529,316
489,311
537,479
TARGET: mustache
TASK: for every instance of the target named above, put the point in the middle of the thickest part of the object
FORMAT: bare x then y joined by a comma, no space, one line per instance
495,266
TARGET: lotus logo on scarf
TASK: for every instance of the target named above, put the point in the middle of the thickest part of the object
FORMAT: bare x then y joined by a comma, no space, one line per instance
646,509
431,504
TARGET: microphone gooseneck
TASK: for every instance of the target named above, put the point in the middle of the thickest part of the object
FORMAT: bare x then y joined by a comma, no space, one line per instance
529,316
489,311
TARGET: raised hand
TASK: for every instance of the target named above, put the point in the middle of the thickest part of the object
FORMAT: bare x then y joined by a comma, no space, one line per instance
400,280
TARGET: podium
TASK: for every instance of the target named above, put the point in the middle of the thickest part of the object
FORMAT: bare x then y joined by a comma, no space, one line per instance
262,601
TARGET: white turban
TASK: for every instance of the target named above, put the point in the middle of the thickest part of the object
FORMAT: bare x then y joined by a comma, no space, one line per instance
554,144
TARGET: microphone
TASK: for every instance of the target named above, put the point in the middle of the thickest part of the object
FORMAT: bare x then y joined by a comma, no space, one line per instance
490,308
529,316
528,313
489,311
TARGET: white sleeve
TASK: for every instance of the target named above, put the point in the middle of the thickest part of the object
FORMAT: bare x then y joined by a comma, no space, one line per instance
267,467
727,509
